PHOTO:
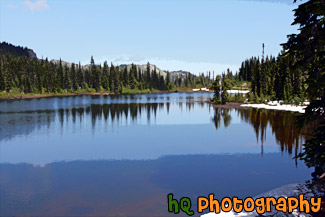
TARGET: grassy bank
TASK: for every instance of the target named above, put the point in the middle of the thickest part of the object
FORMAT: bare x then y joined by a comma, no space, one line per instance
16,94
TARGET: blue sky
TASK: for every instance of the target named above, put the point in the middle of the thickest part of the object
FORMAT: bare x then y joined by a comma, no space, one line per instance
193,35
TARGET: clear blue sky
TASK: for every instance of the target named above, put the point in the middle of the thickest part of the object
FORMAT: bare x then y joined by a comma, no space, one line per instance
194,35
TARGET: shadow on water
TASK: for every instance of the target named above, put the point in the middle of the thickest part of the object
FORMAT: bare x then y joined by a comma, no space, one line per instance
138,188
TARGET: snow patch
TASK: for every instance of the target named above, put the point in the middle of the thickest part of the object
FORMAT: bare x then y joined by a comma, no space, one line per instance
238,91
275,105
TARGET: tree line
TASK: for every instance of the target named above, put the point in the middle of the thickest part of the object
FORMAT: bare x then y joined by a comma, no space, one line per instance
270,78
274,78
31,75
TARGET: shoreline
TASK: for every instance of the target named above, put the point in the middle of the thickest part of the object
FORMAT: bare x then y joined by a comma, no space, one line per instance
39,96
230,105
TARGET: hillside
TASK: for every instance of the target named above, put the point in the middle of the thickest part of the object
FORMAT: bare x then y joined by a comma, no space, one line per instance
143,68
6,48
179,74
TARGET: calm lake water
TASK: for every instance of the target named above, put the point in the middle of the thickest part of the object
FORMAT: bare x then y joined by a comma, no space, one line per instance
122,155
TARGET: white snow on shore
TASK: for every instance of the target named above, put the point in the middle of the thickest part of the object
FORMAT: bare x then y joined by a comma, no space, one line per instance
292,190
238,91
275,105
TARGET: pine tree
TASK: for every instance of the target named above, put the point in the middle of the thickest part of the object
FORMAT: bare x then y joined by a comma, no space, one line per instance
105,76
2,77
148,72
132,78
98,79
111,78
168,80
117,83
67,79
38,78
125,78
60,77
45,72
81,79
225,86
74,77
308,48
93,81
216,86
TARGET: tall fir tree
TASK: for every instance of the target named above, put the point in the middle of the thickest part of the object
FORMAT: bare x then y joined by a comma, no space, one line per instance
308,48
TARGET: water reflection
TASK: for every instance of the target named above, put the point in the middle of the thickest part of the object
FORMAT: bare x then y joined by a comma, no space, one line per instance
121,155
25,122
18,121
283,125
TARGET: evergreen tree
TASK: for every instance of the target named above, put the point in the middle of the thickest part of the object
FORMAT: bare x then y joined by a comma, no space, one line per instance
308,48
225,86
168,80
111,77
148,72
105,76
60,77
125,77
132,78
117,82
74,77
93,82
38,78
154,80
216,86
2,76
98,79
81,79
46,77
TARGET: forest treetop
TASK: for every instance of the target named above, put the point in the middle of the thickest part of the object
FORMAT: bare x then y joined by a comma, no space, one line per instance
25,73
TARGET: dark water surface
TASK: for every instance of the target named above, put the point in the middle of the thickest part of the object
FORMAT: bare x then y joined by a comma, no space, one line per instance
122,155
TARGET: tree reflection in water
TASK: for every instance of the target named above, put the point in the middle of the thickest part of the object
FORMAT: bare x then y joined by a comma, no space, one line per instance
283,125
287,134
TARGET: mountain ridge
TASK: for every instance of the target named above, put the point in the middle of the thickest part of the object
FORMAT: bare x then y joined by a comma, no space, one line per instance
7,48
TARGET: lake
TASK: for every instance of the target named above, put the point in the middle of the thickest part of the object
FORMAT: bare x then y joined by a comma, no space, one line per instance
122,155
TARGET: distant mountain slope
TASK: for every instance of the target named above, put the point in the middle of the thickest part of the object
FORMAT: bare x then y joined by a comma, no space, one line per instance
178,74
6,48
143,68
24,51
173,74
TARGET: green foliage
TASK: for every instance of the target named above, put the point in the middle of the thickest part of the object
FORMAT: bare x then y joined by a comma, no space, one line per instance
237,98
32,75
135,91
226,85
273,77
250,98
216,86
